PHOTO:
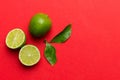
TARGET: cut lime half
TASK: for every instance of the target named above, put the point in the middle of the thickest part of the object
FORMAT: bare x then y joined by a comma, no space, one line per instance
15,38
29,55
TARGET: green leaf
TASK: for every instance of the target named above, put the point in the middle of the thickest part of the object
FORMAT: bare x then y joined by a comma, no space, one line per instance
50,53
63,35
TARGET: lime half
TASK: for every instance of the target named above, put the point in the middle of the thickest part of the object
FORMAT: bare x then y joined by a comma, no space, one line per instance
29,55
15,38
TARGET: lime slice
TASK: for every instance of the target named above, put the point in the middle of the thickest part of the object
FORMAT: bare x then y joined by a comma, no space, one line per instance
15,38
29,55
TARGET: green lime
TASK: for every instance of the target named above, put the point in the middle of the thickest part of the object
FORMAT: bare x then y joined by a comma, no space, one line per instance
29,55
40,24
15,38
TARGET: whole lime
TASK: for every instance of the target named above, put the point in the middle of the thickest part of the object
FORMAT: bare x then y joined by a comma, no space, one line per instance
40,24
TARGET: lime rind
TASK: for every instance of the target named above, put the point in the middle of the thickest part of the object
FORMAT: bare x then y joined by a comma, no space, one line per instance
28,59
15,38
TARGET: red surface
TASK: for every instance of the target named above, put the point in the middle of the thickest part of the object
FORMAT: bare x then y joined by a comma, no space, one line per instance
92,52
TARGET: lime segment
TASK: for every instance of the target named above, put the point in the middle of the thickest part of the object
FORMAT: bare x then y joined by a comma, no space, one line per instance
29,55
15,38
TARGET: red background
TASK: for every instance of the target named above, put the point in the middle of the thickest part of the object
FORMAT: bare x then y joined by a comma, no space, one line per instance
92,52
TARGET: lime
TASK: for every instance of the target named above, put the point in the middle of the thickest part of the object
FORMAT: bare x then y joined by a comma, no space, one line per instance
29,55
15,38
40,24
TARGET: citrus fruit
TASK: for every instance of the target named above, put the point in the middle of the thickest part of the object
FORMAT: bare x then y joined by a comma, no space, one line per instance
15,38
40,24
29,55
